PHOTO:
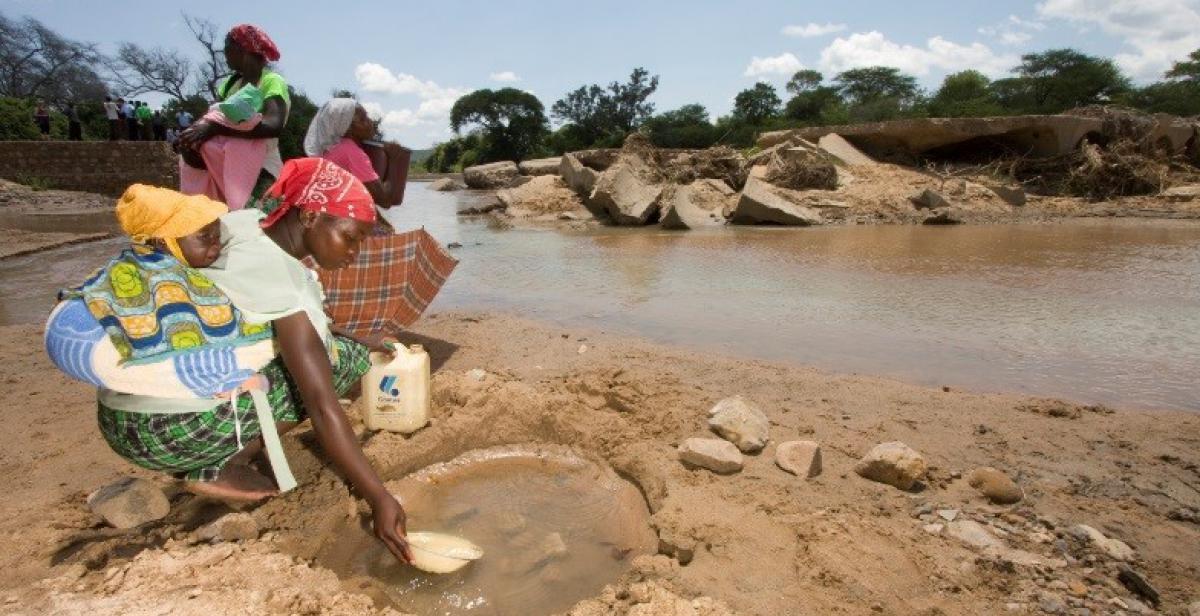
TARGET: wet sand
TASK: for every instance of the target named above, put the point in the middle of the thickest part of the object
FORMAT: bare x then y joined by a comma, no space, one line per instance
765,542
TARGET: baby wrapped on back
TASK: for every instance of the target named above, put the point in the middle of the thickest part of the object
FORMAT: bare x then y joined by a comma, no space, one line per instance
228,167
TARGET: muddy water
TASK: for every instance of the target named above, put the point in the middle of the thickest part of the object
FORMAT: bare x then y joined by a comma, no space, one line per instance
1097,311
554,529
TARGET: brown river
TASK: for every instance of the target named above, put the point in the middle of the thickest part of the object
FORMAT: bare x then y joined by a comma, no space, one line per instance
1097,311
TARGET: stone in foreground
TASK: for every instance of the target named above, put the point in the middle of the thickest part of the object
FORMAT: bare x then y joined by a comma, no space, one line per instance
491,175
238,526
995,485
699,204
929,200
894,463
129,503
713,454
741,423
801,458
761,203
973,534
1114,548
540,166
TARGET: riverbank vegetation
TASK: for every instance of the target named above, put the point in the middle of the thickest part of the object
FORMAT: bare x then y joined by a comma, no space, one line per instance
1047,82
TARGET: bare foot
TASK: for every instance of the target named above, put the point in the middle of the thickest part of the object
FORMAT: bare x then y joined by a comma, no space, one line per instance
237,482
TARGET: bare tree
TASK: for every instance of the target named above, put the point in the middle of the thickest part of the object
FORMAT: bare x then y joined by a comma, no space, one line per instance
136,70
212,67
36,62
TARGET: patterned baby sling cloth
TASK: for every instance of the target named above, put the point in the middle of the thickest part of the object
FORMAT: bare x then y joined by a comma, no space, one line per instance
145,324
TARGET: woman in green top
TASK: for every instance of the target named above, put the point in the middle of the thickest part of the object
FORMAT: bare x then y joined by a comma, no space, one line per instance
247,51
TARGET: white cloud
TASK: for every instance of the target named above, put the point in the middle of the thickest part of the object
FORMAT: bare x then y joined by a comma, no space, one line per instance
432,110
1014,30
783,64
811,30
1157,32
504,76
938,55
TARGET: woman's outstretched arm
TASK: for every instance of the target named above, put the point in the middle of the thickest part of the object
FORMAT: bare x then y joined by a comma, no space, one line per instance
305,357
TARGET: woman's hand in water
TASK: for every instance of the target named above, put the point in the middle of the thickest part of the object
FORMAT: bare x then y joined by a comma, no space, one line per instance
390,527
195,135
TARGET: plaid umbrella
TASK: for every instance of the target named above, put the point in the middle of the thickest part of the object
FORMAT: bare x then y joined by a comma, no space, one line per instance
391,283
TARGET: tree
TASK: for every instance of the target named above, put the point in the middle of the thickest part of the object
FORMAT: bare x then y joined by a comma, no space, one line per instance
753,105
136,70
875,83
1060,79
965,94
511,122
686,127
803,81
212,68
598,113
36,62
300,115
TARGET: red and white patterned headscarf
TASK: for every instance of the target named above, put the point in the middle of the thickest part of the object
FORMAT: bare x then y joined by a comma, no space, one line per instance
253,39
317,185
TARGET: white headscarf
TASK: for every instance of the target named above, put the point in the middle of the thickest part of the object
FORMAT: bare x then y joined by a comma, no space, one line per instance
329,125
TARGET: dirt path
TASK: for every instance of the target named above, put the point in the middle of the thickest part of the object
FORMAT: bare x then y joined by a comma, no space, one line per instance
762,541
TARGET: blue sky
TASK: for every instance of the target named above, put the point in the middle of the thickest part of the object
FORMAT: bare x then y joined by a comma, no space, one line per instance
409,60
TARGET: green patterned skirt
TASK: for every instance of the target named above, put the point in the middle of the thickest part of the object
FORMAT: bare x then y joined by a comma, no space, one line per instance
195,446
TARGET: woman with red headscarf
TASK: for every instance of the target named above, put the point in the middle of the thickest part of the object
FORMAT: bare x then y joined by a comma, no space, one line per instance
321,212
248,50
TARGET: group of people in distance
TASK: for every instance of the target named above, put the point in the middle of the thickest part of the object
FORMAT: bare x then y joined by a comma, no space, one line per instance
135,121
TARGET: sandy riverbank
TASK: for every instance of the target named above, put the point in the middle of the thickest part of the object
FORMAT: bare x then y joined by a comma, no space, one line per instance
764,541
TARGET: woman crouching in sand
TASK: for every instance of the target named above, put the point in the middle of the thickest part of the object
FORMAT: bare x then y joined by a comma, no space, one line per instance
322,212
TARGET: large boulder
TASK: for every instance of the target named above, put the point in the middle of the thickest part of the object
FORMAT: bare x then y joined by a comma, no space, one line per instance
579,178
626,192
539,166
491,175
444,185
699,204
761,203
894,463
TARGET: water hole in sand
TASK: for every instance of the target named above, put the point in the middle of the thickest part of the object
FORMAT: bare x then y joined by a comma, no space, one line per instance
555,528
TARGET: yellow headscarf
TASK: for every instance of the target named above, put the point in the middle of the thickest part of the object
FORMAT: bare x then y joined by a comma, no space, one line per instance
151,212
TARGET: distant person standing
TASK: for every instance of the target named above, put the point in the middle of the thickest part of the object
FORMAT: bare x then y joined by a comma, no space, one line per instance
183,119
131,123
74,128
172,136
160,126
145,121
113,113
41,117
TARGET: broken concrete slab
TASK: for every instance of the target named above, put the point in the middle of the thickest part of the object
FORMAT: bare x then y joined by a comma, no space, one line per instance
540,166
836,146
761,203
491,175
699,204
1037,135
579,178
624,194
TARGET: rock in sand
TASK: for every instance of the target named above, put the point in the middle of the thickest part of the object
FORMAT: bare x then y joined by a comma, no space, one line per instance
973,534
1114,548
741,423
540,166
238,526
995,485
129,502
701,203
761,203
929,200
713,454
802,458
894,463
1137,584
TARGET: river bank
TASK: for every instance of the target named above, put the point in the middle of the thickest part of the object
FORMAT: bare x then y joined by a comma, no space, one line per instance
760,541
